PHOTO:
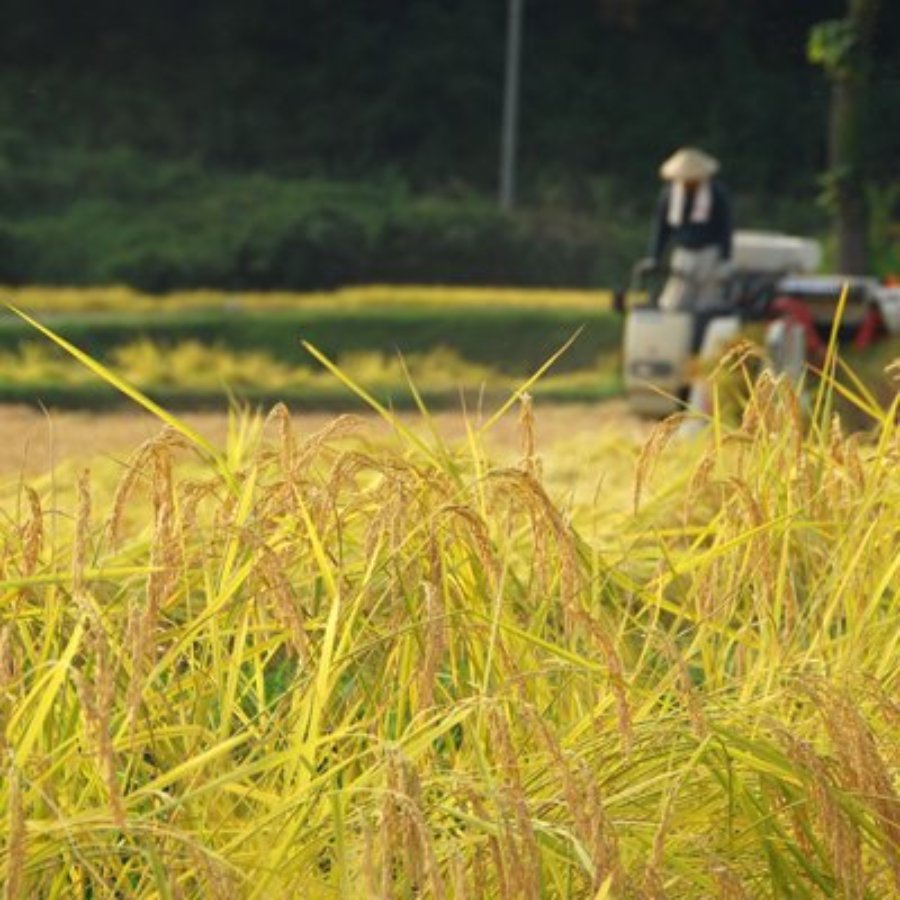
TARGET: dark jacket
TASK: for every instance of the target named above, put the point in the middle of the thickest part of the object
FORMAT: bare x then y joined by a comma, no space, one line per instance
716,231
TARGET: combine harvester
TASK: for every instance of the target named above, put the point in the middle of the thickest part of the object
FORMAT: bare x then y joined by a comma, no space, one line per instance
772,282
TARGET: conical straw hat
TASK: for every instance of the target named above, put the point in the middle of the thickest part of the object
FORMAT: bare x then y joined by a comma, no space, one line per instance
688,164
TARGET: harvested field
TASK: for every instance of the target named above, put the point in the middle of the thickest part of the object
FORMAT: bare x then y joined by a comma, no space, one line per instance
34,441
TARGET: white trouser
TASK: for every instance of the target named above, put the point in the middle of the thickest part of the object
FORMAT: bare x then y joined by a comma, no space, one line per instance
695,280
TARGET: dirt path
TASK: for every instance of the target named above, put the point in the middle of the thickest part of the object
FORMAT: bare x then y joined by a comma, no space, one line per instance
31,443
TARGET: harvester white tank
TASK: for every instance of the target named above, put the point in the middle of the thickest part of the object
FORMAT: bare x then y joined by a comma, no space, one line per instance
888,299
769,251
657,348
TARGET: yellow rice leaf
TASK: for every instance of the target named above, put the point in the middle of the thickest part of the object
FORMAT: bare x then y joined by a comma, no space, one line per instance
128,390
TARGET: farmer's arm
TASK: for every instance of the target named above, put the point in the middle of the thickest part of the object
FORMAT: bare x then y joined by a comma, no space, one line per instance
661,231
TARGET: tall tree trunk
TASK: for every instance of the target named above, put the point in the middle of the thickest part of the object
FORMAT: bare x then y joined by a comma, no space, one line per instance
850,209
849,72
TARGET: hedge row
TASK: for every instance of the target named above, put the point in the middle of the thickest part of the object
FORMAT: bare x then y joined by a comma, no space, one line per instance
89,219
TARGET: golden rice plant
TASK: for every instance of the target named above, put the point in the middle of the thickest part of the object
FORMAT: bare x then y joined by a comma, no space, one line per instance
321,665
215,368
51,299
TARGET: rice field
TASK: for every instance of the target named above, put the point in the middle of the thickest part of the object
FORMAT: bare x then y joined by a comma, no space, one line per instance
190,349
57,299
389,661
212,371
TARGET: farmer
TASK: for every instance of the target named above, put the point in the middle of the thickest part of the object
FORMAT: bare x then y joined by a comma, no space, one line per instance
694,216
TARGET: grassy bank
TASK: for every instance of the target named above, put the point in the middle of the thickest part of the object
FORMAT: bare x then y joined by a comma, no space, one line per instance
515,340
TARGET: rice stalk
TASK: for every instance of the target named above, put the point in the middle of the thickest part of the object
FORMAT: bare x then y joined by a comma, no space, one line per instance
16,836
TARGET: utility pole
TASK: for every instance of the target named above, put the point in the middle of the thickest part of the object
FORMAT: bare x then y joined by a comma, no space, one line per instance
509,126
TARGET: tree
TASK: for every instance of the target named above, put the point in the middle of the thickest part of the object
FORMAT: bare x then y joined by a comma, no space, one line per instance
843,48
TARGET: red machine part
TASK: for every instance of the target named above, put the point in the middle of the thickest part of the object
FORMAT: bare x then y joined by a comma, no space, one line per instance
795,310
869,329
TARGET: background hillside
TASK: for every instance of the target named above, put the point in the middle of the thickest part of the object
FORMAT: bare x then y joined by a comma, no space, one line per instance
309,144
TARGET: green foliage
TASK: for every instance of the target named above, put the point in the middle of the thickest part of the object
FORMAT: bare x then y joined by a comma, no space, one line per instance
834,46
78,218
884,225
121,218
131,156
832,184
